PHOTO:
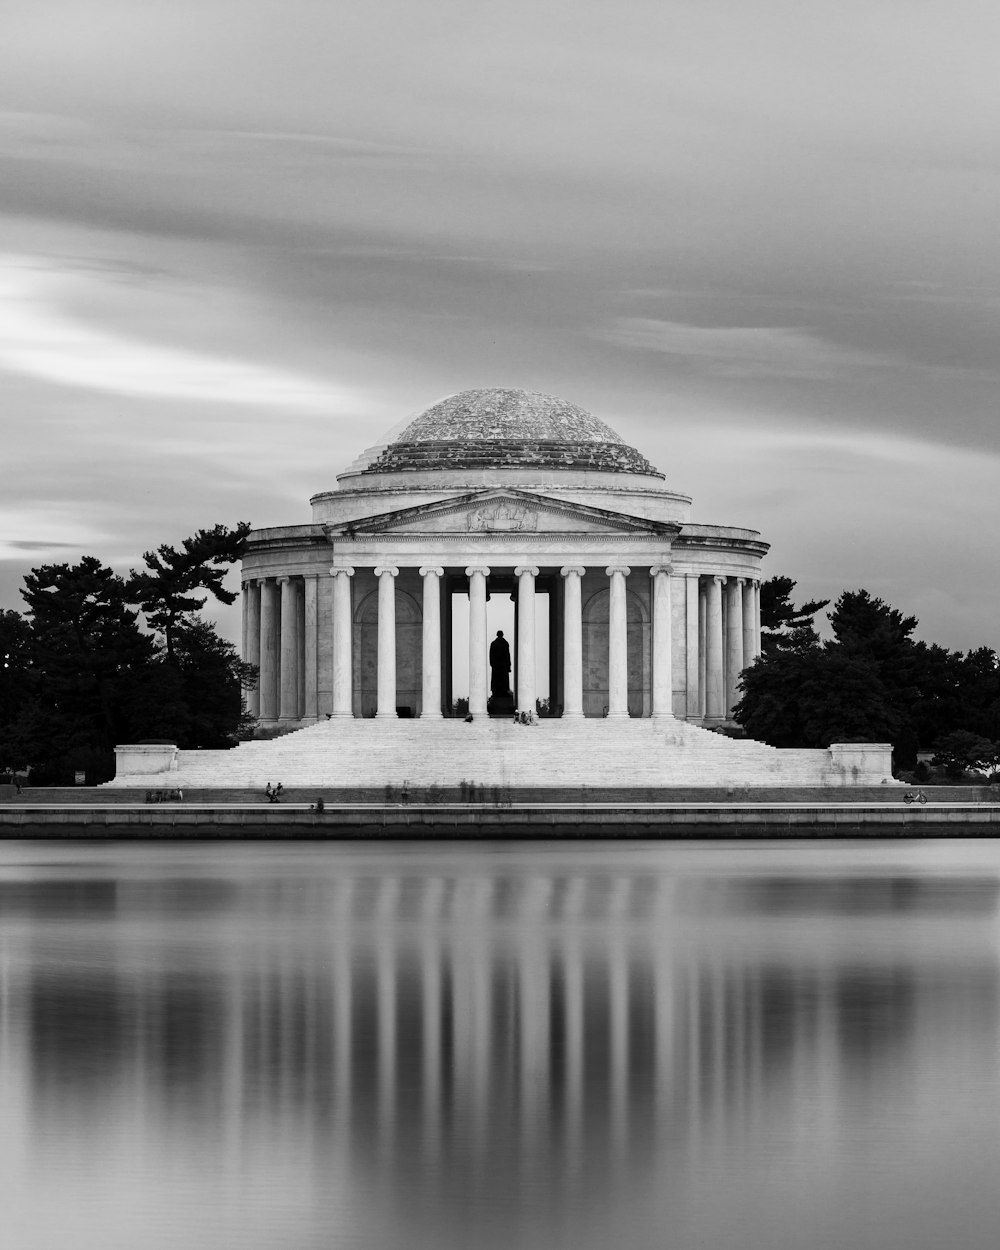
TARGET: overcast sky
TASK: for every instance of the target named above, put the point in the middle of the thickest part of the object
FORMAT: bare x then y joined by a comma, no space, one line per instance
241,238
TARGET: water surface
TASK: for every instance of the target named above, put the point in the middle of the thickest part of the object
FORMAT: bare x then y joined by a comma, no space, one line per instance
736,1047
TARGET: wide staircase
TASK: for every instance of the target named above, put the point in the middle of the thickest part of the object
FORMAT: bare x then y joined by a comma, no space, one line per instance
595,754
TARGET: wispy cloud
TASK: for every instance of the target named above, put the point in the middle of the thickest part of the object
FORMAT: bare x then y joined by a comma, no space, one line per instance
39,528
41,339
743,351
38,545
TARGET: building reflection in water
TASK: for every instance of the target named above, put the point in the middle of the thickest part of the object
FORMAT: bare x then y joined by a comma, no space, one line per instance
511,1045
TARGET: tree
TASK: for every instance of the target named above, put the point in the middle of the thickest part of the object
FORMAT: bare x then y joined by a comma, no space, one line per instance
871,682
813,697
166,591
85,648
977,691
200,686
867,627
961,751
783,626
86,676
15,637
213,678
863,623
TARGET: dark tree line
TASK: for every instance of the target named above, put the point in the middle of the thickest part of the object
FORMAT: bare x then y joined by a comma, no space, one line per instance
871,682
98,659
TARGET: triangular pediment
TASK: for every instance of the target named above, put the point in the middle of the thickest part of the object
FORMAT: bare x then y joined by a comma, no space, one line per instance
501,511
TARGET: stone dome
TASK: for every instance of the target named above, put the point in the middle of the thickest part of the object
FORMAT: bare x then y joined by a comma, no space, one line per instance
497,428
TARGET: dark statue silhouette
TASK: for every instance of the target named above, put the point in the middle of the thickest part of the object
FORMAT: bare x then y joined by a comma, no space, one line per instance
499,665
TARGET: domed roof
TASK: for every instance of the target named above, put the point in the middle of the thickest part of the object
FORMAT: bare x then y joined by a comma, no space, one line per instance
496,428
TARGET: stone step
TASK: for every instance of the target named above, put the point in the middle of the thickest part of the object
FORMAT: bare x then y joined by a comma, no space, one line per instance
496,753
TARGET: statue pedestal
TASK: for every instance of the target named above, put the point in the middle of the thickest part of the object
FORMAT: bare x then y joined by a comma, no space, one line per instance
501,706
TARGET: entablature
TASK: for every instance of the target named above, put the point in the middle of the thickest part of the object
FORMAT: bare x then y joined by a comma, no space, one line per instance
494,512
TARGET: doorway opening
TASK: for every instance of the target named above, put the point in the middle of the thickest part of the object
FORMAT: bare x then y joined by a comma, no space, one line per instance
501,614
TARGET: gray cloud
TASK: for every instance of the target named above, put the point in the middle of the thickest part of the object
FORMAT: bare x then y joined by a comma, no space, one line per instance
693,219
744,351
40,545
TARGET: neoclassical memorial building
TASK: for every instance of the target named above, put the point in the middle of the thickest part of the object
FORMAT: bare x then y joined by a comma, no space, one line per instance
490,493
628,622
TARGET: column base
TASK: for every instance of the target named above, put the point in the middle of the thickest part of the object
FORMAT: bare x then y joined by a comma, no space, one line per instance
571,716
617,716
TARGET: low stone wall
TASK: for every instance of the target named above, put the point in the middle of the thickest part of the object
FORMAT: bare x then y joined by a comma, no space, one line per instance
858,763
145,759
475,822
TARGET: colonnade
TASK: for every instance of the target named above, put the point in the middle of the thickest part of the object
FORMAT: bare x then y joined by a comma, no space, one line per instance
281,632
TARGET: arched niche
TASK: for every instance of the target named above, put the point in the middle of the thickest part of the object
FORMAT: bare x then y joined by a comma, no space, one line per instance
595,654
409,668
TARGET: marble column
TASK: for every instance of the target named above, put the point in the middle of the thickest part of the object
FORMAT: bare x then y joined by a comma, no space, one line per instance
245,619
758,648
749,652
693,677
251,650
702,647
734,640
291,633
526,694
478,654
310,647
343,628
270,612
617,643
663,668
572,641
714,691
386,682
431,658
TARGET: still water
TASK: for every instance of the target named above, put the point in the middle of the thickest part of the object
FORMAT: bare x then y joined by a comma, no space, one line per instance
730,1047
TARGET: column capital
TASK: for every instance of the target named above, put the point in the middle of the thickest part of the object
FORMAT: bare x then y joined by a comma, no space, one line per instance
521,569
618,568
477,568
346,569
657,569
310,576
285,577
426,570
381,569
568,570
718,579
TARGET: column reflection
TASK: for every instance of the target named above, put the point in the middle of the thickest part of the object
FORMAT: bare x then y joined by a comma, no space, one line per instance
486,1028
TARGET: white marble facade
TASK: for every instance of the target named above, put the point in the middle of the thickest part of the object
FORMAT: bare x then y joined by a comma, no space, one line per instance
500,493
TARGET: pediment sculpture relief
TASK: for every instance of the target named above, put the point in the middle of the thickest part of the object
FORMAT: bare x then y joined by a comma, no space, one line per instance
505,517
